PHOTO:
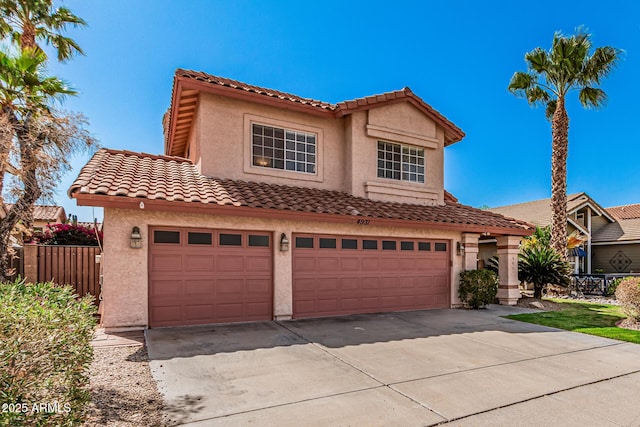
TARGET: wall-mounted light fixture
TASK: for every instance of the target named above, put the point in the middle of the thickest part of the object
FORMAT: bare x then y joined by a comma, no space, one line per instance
136,238
284,243
459,248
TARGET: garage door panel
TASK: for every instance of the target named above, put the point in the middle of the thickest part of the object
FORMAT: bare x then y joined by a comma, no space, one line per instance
258,263
199,312
191,282
166,262
304,263
370,264
199,263
166,288
372,280
349,264
233,263
203,288
167,314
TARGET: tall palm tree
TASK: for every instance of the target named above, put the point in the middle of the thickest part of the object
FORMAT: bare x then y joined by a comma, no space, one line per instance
569,65
26,95
27,22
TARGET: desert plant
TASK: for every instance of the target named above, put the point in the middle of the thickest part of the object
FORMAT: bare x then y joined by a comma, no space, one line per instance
542,265
628,295
493,264
45,353
478,287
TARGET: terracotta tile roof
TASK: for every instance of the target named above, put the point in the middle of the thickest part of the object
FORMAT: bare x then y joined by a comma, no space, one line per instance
139,175
625,212
235,84
239,89
539,212
46,212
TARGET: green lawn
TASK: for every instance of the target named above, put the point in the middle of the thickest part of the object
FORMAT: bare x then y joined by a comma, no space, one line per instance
588,318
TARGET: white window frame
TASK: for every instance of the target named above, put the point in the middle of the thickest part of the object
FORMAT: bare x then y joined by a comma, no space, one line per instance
405,151
249,167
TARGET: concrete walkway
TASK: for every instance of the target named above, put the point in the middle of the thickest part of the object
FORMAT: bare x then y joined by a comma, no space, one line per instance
453,367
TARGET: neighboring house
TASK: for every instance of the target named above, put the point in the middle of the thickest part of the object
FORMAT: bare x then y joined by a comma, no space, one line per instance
45,214
613,234
616,245
266,205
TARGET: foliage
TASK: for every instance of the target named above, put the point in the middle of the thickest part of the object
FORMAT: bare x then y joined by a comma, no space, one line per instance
570,64
541,237
542,265
613,285
68,234
493,264
478,287
628,295
45,353
584,317
36,140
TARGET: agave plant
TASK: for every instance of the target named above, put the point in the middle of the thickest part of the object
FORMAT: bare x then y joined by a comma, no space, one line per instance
542,265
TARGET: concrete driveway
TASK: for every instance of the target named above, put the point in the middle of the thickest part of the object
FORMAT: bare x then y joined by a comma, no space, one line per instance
455,367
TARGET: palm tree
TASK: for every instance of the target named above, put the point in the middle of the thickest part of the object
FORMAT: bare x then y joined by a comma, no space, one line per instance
26,95
568,65
26,22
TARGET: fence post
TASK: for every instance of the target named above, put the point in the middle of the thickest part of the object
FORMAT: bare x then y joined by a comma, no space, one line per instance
30,263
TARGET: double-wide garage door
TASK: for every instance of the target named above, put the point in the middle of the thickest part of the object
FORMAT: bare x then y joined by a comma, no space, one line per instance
209,276
202,276
334,275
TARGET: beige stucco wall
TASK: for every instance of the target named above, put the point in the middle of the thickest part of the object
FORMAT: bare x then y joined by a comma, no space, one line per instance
125,289
347,147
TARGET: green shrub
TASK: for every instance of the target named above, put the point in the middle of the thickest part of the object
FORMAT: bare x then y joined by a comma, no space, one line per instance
628,295
613,285
45,353
478,287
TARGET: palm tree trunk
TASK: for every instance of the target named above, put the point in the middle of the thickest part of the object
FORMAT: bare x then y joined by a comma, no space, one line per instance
560,151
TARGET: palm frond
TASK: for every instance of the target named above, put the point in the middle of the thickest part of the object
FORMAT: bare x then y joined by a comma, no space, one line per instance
521,82
536,95
551,108
538,60
591,97
600,64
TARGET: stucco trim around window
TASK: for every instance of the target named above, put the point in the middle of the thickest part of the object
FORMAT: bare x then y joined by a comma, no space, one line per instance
396,135
248,167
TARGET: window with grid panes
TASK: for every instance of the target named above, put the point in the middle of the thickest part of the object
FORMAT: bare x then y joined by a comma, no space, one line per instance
286,149
400,162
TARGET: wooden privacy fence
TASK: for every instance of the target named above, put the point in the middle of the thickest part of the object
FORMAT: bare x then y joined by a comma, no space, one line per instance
64,265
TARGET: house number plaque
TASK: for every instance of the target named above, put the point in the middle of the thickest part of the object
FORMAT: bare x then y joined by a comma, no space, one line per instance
364,221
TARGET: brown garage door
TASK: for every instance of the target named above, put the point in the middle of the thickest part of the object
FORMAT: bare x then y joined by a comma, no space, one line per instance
334,275
209,276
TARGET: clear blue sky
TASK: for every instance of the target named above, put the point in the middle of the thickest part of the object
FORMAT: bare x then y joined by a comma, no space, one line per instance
457,55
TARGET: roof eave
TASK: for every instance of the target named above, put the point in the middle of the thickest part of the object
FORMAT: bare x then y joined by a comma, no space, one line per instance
121,202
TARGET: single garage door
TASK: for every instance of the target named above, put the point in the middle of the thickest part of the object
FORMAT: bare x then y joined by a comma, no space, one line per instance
209,276
335,275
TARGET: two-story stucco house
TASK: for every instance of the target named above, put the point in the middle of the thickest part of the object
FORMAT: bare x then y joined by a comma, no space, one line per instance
266,205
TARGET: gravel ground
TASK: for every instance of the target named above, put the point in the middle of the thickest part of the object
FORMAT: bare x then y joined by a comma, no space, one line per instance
123,392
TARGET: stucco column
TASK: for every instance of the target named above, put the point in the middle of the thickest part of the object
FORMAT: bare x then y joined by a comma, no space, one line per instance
470,242
282,277
508,290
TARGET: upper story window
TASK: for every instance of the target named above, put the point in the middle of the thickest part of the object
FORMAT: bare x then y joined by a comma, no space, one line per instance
280,148
400,162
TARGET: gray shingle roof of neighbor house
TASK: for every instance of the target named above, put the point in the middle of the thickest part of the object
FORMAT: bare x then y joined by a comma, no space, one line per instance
538,212
115,176
626,227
